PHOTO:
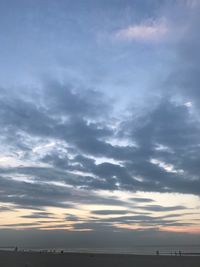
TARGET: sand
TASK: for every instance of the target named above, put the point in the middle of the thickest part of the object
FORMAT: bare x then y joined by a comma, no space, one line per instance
35,259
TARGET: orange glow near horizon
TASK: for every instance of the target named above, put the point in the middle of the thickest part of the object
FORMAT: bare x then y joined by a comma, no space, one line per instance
63,219
189,230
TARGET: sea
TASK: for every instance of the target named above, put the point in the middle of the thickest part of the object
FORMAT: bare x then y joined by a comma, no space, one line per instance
178,250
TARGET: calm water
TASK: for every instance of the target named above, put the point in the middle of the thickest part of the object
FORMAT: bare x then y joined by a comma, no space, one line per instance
142,250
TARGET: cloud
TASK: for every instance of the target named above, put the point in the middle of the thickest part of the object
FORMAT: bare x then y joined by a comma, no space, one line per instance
43,194
24,225
79,139
71,217
3,209
121,222
162,208
141,200
109,212
38,215
150,31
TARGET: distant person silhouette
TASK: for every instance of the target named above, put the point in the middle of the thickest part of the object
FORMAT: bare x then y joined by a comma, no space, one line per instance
180,253
157,252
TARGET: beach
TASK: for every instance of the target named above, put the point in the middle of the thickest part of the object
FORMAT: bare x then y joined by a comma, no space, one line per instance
36,259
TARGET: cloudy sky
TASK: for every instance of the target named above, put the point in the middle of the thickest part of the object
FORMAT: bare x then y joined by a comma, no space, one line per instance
99,121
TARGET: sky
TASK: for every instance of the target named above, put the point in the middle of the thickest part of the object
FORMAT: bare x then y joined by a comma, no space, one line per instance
99,122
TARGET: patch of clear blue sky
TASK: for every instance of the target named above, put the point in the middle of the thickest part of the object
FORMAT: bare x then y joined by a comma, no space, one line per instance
72,41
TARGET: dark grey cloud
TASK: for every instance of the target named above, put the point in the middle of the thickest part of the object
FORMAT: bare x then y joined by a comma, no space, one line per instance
98,226
109,212
20,224
42,222
33,195
71,217
162,208
40,195
21,115
38,215
54,226
113,224
152,220
141,200
84,134
173,127
72,101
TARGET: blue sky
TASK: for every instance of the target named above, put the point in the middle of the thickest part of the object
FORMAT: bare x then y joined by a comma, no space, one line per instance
99,116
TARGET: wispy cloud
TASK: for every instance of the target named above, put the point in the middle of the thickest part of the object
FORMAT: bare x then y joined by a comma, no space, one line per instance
148,31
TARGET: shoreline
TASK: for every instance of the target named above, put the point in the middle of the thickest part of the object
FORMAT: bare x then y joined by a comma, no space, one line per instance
57,252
